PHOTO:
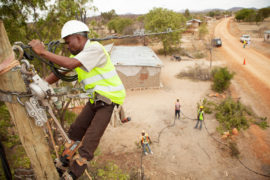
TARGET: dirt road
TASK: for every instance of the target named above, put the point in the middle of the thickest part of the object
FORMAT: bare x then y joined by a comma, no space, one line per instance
253,79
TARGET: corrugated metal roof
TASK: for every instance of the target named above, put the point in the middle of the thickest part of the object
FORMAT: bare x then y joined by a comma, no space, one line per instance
134,56
197,20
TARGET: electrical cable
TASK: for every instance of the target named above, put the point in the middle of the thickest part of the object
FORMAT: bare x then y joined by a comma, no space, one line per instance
187,116
237,157
53,45
52,48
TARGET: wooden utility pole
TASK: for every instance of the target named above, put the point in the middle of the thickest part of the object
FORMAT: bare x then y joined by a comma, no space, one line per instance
31,136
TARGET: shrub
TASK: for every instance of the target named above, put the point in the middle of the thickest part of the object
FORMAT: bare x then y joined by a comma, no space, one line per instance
222,79
231,114
197,72
199,55
262,123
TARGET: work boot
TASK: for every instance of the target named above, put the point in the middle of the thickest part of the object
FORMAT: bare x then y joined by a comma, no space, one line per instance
68,176
59,167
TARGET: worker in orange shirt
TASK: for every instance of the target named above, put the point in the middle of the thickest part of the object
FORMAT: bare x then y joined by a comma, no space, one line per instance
145,141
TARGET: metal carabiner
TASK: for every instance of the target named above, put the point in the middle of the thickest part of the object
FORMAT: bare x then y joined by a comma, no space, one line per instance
19,100
19,48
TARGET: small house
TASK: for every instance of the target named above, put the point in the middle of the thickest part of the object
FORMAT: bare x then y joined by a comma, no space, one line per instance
137,66
267,36
194,23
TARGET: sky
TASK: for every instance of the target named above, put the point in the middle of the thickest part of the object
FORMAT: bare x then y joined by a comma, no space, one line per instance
144,6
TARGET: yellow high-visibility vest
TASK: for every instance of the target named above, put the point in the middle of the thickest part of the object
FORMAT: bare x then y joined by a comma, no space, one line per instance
103,80
200,113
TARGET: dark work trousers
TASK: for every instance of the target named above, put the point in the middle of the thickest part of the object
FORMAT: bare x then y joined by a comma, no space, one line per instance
177,114
89,125
199,121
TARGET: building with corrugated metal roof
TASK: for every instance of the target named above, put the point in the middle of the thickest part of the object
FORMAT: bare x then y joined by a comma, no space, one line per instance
267,36
137,66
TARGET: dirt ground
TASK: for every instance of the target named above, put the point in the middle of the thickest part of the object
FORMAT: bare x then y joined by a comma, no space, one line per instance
184,152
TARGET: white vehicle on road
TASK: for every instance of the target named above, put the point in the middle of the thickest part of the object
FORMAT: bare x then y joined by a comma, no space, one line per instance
245,37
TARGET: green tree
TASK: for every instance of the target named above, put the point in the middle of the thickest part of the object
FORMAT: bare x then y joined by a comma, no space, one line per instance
247,15
211,13
262,14
187,14
26,20
16,14
203,30
159,20
119,24
107,16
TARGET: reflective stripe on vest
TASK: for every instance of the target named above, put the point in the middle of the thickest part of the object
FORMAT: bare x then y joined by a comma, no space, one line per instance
98,77
145,139
106,88
103,80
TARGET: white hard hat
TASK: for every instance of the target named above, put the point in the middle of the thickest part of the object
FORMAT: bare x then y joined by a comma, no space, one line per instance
72,27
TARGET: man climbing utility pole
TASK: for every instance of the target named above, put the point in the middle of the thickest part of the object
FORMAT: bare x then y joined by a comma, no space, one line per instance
31,136
99,78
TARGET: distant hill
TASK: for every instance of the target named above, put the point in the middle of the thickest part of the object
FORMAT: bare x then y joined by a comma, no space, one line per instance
233,9
131,15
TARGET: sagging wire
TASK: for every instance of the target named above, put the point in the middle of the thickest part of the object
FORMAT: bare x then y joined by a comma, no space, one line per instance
237,157
54,44
158,140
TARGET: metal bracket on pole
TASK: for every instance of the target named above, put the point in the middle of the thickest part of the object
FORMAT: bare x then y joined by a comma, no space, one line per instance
6,97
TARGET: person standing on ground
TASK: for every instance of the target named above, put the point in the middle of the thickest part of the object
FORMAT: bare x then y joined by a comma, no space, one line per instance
200,117
145,142
99,78
245,42
177,109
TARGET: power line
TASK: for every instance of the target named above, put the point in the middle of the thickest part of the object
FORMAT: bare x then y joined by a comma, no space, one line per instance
237,157
169,30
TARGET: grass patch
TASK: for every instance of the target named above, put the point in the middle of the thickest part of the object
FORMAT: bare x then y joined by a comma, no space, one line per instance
15,152
70,117
108,170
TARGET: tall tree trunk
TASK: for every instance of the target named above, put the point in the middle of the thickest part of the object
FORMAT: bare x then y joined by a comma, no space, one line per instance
31,136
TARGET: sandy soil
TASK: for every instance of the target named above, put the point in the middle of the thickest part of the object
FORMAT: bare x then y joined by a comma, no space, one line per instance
183,152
